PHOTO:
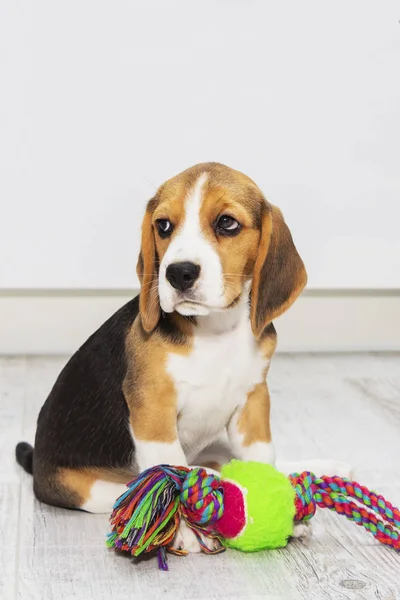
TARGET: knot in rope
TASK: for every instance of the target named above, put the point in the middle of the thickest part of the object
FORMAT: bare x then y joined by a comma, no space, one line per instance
305,504
201,497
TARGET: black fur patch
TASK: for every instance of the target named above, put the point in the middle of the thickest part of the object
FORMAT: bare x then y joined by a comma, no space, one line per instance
83,422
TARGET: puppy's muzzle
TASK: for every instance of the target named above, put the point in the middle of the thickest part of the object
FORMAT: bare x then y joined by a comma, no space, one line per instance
182,275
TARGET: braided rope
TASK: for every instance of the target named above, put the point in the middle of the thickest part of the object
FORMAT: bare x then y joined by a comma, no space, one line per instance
202,498
361,493
334,493
304,500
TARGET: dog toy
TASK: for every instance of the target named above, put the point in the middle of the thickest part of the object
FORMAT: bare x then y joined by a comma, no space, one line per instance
250,507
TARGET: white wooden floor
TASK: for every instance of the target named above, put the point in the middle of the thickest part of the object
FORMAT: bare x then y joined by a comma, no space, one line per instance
346,407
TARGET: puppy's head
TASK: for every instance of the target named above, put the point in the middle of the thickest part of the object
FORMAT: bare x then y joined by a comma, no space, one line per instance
205,234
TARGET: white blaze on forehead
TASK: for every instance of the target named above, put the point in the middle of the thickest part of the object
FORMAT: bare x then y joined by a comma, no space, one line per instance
191,245
191,229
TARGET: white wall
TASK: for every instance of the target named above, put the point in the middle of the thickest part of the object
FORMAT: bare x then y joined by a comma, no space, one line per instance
58,322
101,101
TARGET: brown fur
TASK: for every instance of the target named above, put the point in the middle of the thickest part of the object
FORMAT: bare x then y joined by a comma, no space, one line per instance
254,419
254,422
75,484
267,342
148,275
279,273
237,254
149,390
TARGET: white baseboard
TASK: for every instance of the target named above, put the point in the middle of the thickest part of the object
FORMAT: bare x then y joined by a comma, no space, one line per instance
59,321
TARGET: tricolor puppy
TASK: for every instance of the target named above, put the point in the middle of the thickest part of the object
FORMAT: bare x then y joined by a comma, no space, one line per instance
186,360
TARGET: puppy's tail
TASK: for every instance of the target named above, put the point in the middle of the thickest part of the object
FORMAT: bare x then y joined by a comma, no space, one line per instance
24,456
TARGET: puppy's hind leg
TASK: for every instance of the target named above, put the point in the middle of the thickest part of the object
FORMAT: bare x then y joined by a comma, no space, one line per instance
90,490
102,496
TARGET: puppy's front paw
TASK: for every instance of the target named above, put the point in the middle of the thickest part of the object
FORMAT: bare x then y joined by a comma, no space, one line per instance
186,540
302,530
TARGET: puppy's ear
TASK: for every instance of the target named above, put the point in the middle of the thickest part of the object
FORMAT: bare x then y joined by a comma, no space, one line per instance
147,270
279,274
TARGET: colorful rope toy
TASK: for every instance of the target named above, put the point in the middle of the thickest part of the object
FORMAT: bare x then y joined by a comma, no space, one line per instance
251,507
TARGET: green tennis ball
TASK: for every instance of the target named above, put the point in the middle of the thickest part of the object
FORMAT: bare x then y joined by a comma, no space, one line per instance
269,500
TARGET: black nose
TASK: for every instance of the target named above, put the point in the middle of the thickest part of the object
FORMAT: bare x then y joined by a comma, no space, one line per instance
182,275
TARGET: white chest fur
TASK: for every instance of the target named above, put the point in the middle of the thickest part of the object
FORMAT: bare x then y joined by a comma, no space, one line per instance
214,379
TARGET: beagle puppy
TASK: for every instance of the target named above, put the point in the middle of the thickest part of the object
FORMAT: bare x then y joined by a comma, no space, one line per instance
184,361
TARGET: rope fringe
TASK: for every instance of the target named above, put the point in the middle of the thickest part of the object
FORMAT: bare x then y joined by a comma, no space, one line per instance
147,516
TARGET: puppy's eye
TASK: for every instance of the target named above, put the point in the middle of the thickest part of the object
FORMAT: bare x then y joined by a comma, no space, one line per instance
227,225
164,227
